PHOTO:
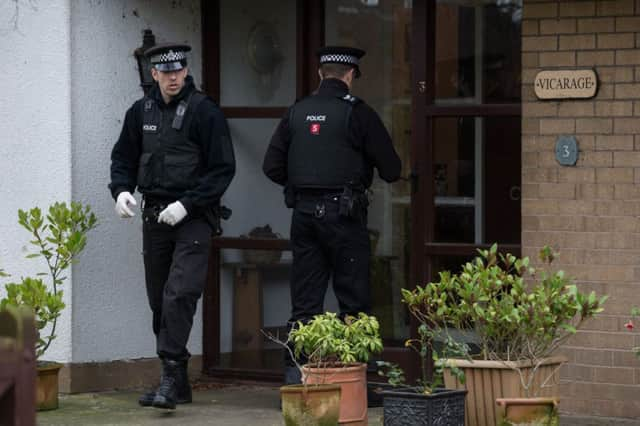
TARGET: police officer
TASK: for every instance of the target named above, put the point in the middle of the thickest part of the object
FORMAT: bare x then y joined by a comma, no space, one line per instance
323,152
176,150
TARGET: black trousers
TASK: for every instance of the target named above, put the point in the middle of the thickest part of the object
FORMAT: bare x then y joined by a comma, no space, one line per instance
326,245
175,263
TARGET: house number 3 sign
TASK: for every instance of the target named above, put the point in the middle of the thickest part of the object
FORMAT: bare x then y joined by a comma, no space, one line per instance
567,150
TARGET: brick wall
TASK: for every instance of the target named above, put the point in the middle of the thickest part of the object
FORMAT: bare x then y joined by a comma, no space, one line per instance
589,212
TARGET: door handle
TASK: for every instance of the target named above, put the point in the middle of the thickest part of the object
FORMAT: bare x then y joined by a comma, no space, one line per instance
515,193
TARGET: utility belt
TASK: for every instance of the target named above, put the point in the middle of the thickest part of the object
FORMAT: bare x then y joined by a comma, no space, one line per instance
151,208
332,196
350,202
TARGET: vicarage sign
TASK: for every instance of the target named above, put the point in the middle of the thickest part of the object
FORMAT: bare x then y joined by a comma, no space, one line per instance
566,84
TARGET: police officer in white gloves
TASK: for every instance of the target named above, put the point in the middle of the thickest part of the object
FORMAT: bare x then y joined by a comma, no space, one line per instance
175,149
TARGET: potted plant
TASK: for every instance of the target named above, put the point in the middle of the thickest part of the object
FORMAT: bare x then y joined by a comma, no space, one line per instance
520,316
427,403
310,404
337,351
306,404
58,237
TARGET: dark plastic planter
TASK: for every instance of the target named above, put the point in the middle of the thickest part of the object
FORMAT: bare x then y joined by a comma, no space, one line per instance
444,407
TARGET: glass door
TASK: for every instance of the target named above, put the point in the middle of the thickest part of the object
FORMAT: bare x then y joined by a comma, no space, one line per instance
468,130
383,29
444,76
259,57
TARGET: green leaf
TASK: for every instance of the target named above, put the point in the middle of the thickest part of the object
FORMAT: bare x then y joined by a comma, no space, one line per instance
59,237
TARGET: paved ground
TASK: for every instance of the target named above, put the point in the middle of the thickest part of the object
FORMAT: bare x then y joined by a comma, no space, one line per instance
227,406
214,405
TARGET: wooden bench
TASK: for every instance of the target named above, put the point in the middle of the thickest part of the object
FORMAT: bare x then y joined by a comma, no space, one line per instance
17,368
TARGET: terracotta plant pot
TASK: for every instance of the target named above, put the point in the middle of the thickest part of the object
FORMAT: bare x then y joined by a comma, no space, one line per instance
310,405
528,411
487,381
353,382
47,385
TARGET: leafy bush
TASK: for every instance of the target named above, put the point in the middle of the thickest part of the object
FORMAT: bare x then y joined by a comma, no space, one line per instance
434,308
58,238
424,346
517,312
327,340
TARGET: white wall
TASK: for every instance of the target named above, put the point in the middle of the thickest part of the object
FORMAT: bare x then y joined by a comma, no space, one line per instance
70,78
35,146
111,317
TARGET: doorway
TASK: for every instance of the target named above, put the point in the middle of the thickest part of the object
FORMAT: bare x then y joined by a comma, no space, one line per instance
466,147
444,76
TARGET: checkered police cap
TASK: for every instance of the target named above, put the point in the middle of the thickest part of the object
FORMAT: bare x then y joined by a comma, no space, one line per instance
339,59
168,56
341,55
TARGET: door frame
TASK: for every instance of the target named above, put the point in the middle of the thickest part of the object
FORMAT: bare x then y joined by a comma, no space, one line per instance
310,24
309,37
425,110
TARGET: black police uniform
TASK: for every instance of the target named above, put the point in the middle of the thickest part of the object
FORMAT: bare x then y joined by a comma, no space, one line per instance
180,151
324,151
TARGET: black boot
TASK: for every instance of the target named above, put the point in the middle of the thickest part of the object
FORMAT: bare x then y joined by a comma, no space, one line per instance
183,387
167,393
146,399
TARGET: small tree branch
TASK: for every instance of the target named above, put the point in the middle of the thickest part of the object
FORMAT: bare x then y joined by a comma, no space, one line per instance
283,344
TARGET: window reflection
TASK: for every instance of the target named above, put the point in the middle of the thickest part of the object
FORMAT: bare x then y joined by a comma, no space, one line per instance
383,29
454,178
258,47
478,51
476,179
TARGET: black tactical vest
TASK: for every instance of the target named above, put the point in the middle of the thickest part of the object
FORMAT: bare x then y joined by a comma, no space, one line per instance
321,154
170,163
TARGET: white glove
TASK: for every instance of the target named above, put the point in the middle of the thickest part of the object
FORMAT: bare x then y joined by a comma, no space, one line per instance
125,199
173,214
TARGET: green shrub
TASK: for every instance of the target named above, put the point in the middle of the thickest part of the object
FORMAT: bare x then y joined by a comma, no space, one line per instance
58,238
518,313
327,340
